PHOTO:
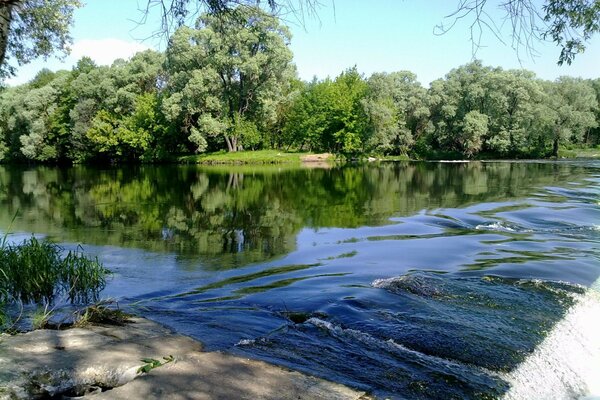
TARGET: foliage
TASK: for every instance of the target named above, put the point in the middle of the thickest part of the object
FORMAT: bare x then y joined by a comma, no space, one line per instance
101,313
36,272
33,28
151,363
328,115
397,111
229,85
226,77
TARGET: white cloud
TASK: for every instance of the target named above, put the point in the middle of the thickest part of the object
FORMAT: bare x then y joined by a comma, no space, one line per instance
102,51
105,51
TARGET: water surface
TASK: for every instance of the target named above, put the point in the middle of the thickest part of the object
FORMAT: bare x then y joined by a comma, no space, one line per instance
408,280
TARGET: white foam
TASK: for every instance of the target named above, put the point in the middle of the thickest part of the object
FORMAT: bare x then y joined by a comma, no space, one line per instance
391,345
495,226
386,283
245,342
566,365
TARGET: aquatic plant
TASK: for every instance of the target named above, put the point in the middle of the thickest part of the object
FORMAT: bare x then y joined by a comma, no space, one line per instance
36,272
101,313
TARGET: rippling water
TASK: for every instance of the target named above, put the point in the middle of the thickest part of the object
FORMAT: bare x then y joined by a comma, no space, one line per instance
408,280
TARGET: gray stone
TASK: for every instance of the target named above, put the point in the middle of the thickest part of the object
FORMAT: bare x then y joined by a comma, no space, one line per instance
50,362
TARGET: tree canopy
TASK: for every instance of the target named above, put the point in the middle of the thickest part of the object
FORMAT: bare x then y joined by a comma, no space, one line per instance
229,84
33,28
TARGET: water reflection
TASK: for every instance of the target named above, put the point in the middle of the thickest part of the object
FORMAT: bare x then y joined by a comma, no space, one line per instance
231,217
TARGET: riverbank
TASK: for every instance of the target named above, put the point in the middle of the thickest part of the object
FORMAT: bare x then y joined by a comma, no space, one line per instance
122,362
311,159
256,157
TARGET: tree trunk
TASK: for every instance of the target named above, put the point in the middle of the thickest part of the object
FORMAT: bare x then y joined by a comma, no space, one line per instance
229,147
555,144
5,20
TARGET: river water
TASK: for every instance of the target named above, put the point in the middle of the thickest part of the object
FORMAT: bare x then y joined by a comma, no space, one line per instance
408,280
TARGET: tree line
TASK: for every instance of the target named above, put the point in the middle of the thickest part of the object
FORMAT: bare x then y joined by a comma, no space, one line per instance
230,84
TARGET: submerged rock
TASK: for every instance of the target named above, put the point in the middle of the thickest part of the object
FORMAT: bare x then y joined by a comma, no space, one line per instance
107,359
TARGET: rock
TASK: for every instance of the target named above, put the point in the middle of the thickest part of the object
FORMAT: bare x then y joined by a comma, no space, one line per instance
46,363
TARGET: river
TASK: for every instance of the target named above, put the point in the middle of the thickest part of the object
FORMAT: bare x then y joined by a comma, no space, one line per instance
409,280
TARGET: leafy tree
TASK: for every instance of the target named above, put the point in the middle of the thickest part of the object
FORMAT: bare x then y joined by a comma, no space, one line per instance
224,74
346,128
570,107
593,136
511,101
33,28
452,99
329,116
474,128
127,138
397,111
307,117
513,97
27,116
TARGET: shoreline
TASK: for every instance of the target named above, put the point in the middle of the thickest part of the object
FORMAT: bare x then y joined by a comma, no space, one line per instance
106,361
313,160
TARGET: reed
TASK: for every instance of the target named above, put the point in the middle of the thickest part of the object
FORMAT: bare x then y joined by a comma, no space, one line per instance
36,272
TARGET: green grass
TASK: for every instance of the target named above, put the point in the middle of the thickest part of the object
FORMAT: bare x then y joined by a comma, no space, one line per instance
36,272
244,157
579,152
394,158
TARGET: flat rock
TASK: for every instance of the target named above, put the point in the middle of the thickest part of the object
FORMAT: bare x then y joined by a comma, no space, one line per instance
46,363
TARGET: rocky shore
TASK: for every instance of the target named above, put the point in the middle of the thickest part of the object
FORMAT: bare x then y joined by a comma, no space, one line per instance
105,362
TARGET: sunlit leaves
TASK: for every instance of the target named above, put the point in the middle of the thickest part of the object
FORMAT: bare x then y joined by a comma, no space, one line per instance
34,28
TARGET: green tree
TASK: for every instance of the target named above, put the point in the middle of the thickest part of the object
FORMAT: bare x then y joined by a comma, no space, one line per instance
126,137
224,75
308,117
329,116
28,116
33,28
347,124
474,128
593,136
397,111
513,97
570,107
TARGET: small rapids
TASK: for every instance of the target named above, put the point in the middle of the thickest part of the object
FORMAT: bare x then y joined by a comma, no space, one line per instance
446,336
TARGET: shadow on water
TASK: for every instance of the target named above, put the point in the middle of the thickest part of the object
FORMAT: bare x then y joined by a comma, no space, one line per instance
409,280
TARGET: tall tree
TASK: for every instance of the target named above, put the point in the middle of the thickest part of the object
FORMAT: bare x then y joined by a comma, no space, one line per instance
225,74
397,112
570,109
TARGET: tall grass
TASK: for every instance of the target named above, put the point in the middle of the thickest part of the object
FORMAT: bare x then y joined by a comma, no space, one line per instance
36,271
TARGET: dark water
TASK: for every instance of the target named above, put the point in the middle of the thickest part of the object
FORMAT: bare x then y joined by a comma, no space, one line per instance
412,280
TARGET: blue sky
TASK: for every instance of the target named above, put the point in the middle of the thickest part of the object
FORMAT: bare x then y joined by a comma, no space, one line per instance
376,36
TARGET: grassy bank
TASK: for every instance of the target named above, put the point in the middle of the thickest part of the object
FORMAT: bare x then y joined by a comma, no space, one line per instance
579,152
244,157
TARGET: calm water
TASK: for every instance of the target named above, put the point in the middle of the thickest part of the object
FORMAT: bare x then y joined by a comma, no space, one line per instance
409,280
